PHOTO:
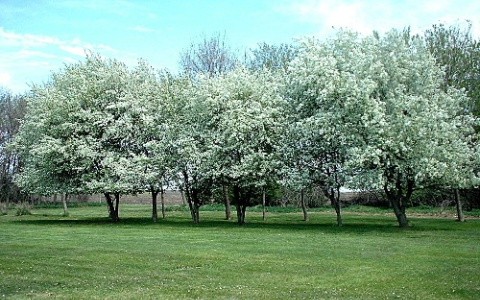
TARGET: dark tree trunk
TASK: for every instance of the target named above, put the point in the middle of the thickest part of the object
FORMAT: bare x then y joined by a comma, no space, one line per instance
304,205
240,204
113,206
333,194
458,204
228,208
397,201
337,205
399,210
111,209
64,198
154,193
196,214
192,200
162,201
399,189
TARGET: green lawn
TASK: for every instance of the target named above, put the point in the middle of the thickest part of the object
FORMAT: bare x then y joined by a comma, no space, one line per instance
85,256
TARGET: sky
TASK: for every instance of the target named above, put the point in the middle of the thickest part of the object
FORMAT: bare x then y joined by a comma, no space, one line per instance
38,37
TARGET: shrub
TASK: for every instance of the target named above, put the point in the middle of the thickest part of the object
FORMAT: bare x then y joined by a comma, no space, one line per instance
3,209
23,209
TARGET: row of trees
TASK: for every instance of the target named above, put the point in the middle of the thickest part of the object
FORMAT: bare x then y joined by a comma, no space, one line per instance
370,112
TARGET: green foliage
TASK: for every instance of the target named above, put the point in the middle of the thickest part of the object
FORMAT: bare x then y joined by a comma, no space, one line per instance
12,111
361,111
458,52
367,258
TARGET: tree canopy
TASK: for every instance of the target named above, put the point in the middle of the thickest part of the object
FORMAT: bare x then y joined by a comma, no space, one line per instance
358,111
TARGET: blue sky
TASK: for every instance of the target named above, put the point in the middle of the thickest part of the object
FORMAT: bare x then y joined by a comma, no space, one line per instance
39,36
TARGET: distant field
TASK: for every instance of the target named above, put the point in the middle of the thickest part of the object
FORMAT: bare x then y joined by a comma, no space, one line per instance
84,256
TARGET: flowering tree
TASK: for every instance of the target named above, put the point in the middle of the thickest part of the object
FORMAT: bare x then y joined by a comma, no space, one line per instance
419,132
75,136
242,112
458,53
192,155
151,141
371,110
328,95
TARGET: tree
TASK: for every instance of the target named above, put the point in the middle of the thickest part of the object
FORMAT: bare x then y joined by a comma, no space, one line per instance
417,132
242,114
459,54
152,140
326,91
189,152
272,57
12,110
76,134
372,110
210,56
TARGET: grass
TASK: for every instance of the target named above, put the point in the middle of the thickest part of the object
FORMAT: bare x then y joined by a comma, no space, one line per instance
84,256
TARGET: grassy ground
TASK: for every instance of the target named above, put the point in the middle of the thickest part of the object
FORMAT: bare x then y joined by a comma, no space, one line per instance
85,256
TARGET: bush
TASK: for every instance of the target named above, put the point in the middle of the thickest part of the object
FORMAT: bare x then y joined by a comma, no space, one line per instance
23,209
3,209
313,197
374,198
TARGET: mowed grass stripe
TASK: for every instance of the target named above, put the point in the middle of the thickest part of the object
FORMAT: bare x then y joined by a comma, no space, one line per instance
85,256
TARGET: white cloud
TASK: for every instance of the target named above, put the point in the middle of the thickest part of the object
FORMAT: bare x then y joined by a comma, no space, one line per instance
28,41
79,51
5,78
8,38
142,29
331,13
365,16
27,58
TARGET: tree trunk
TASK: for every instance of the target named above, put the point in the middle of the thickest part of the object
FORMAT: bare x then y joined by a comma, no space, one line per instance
304,206
113,206
154,193
196,213
241,212
183,197
335,200
458,204
400,194
241,206
64,198
191,199
111,209
117,207
333,194
228,208
398,208
399,211
264,196
162,201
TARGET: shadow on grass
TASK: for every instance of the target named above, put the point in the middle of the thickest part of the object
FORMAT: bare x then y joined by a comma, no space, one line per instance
354,226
